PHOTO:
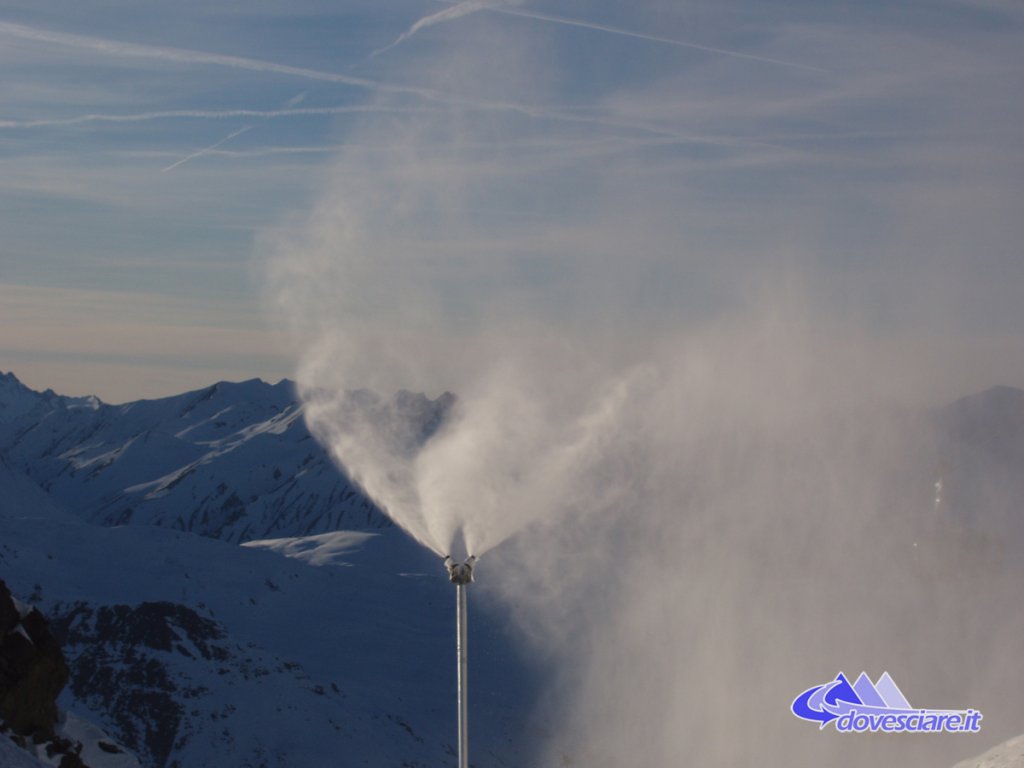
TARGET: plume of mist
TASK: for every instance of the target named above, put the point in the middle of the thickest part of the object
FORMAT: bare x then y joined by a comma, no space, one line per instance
759,521
700,492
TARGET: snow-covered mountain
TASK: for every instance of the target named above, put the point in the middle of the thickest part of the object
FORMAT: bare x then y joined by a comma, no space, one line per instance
33,671
981,462
326,638
17,400
232,461
328,641
196,652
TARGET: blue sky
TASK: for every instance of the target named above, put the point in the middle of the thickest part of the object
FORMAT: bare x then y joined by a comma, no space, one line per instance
632,165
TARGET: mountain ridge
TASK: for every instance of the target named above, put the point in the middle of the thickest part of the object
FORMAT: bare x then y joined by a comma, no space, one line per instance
309,643
234,460
323,636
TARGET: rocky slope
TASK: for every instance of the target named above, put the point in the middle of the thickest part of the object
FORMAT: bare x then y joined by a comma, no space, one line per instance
332,650
32,669
33,672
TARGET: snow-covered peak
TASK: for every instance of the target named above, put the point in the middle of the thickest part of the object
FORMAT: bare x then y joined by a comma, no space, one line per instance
234,460
992,417
994,403
15,398
985,430
18,400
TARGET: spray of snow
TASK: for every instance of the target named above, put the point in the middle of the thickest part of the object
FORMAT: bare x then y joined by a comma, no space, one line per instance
696,491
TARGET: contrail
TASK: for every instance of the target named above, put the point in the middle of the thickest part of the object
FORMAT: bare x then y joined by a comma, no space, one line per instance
448,14
290,103
289,110
471,6
643,36
206,114
187,56
205,150
225,114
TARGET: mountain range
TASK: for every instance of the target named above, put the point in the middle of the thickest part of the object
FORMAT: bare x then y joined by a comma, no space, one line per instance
226,596
233,461
326,638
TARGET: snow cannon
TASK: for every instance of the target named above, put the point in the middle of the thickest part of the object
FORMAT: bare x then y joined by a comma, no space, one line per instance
461,575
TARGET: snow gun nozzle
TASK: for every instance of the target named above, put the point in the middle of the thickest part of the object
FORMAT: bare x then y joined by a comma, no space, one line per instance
460,573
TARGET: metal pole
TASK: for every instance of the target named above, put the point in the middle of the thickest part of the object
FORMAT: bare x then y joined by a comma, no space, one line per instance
462,652
461,575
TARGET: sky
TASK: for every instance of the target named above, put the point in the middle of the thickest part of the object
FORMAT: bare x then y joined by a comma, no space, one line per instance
152,155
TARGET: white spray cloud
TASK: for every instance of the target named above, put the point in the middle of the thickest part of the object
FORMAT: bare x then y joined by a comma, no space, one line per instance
696,488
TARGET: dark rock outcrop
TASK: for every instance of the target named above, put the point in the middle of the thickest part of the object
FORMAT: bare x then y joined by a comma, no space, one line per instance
32,670
120,656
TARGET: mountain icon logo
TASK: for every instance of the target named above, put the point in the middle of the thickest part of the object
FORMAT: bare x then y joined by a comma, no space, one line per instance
878,707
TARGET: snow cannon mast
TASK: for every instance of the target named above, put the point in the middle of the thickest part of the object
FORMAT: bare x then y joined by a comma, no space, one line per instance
460,573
